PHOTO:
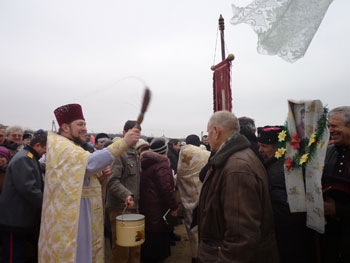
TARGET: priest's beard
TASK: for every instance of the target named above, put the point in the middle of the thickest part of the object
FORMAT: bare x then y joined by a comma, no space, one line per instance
77,140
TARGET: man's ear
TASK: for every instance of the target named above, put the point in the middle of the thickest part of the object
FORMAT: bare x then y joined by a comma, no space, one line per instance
65,127
217,131
37,145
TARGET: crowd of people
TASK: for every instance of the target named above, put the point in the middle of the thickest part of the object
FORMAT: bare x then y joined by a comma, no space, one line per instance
60,193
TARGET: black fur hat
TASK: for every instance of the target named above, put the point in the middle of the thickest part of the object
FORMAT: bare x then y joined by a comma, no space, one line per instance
269,134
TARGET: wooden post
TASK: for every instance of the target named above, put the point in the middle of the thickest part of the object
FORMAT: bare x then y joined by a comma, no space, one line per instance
222,28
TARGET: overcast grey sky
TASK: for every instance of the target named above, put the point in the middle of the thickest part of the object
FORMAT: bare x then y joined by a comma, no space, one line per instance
58,52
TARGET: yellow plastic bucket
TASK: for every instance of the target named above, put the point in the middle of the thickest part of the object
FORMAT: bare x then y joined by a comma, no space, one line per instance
130,230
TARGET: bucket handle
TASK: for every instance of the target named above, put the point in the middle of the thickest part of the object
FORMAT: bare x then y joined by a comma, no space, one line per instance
164,216
126,206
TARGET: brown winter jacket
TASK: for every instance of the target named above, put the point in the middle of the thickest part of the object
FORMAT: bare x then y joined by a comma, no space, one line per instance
235,217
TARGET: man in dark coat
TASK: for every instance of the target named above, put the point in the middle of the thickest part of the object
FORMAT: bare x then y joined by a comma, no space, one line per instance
294,240
248,129
235,219
336,185
173,153
21,200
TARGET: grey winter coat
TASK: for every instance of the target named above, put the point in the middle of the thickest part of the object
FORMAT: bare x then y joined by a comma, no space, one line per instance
22,194
124,181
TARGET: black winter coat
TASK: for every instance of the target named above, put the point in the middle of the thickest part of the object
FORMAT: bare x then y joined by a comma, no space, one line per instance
294,240
174,158
336,178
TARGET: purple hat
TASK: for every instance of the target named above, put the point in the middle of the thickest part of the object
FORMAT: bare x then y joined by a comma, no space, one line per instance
5,152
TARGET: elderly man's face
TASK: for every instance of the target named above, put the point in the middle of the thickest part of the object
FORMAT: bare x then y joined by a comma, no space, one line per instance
267,151
15,136
213,137
340,133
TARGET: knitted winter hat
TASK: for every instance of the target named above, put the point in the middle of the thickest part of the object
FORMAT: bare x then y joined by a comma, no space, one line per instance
159,145
5,152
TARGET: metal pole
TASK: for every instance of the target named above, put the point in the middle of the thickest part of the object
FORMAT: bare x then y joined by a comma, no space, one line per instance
53,127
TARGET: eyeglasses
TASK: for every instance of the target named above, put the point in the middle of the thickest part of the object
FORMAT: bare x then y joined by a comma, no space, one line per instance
16,135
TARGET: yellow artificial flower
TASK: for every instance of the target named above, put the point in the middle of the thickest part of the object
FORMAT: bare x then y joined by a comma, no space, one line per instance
282,136
304,158
280,152
312,139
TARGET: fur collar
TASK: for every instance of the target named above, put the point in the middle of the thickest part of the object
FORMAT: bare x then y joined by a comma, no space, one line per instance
235,143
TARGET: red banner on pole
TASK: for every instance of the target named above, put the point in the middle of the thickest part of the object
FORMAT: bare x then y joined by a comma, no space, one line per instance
222,86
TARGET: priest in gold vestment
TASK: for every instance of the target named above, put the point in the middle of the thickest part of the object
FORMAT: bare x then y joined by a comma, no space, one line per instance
72,216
